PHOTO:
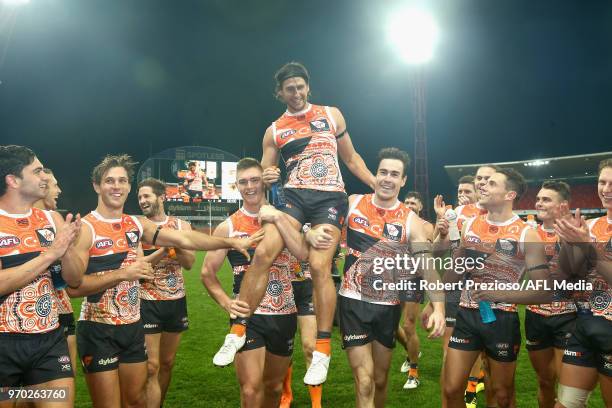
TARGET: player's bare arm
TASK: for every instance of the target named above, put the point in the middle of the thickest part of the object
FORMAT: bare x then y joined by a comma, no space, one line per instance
348,154
185,257
194,240
12,279
210,267
269,159
421,247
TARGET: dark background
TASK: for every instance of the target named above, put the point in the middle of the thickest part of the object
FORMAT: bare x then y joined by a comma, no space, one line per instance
510,80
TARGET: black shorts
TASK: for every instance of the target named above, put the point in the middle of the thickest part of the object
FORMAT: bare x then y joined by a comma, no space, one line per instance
164,315
194,194
590,344
302,293
501,339
542,332
66,321
274,332
451,307
29,359
316,207
362,322
102,347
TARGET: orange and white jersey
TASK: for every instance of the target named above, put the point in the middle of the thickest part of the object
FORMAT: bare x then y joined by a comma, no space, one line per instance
552,248
599,300
63,302
370,229
195,181
114,246
307,142
465,212
501,245
32,308
168,283
278,299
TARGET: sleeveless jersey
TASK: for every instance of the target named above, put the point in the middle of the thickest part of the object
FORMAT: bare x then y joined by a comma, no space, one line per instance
63,302
114,246
552,248
307,143
501,245
168,283
369,228
278,299
195,181
599,300
32,308
465,212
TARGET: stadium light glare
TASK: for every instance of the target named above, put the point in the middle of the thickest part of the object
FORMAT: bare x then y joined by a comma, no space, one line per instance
14,3
414,34
536,163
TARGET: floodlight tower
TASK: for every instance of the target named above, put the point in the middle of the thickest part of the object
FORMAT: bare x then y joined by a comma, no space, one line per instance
414,34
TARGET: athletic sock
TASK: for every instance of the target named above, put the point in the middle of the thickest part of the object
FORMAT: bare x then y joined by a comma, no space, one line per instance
471,385
414,370
323,344
238,329
316,392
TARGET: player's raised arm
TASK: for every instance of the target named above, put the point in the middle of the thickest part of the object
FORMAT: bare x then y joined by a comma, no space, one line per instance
347,151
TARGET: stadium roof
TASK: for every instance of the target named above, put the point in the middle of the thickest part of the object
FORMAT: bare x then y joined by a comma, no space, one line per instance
583,166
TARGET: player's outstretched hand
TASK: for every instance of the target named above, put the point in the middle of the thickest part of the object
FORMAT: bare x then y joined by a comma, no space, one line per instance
242,245
436,324
139,269
320,238
439,206
238,308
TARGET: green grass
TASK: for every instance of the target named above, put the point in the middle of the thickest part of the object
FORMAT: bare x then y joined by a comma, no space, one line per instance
197,383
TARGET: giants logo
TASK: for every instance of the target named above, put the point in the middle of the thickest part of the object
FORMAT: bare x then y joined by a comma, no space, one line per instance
319,125
104,243
45,236
132,238
506,247
9,241
393,232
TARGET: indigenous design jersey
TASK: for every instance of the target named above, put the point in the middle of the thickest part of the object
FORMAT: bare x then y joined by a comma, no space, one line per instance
114,246
307,142
465,212
501,246
372,232
168,283
599,300
33,308
552,248
278,299
63,302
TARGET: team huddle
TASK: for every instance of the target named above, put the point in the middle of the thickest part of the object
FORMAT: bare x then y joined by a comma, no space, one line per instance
128,270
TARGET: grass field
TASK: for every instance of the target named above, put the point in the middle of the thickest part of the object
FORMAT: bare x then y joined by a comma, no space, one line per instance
197,383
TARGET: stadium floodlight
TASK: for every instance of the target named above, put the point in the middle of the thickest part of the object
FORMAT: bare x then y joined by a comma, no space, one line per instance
536,163
414,34
11,3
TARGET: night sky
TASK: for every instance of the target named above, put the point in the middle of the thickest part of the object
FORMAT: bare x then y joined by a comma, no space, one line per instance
510,80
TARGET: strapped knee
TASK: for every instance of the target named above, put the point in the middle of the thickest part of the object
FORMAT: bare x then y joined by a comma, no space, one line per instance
572,397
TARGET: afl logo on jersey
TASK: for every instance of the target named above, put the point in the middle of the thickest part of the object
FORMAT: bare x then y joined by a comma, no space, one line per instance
286,133
392,232
471,239
104,243
361,221
9,241
319,125
43,305
45,236
132,238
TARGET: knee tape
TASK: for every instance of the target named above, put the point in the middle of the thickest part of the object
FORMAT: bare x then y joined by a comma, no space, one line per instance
572,397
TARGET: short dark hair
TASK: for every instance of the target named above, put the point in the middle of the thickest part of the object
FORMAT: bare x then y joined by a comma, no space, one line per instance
109,162
414,194
603,164
395,154
247,163
514,181
467,179
290,70
13,159
561,187
158,187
